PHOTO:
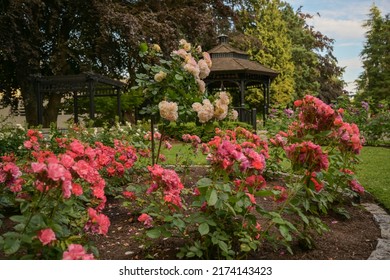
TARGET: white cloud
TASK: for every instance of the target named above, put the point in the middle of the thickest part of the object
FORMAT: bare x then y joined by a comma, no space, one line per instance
351,63
342,20
339,29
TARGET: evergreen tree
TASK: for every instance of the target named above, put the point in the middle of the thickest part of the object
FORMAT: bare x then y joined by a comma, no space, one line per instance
374,82
304,57
275,50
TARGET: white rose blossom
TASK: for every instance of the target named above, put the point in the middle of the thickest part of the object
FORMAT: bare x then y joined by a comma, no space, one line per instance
205,111
168,110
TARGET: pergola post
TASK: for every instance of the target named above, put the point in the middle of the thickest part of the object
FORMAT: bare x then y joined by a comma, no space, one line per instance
91,90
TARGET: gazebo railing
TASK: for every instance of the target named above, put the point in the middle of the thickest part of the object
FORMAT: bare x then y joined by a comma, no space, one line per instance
247,116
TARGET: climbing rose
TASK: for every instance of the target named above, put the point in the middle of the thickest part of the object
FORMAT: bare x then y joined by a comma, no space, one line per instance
201,85
233,115
207,58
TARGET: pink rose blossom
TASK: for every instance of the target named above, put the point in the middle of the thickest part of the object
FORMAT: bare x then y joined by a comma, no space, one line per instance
76,252
77,147
146,219
38,167
46,236
56,171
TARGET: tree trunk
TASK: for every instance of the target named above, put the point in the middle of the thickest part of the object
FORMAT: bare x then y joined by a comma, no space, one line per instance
30,104
50,112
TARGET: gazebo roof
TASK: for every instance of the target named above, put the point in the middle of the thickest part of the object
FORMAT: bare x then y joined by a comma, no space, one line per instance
227,59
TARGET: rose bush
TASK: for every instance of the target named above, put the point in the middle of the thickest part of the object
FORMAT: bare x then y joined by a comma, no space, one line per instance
57,198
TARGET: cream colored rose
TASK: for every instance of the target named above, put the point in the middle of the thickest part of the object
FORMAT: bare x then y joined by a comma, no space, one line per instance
160,76
156,48
233,115
205,111
168,110
201,85
204,69
185,45
224,97
207,58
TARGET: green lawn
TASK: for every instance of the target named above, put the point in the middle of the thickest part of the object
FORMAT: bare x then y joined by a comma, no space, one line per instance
183,154
374,173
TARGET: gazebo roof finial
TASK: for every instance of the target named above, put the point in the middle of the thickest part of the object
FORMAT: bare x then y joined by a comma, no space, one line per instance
223,39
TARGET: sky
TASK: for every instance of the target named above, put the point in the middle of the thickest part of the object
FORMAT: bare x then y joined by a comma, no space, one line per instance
342,21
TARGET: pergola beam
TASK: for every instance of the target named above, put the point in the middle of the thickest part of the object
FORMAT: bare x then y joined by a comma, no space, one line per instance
83,85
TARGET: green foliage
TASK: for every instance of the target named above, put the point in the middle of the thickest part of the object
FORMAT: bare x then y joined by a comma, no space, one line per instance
66,37
279,120
11,139
377,130
276,49
374,82
372,119
227,229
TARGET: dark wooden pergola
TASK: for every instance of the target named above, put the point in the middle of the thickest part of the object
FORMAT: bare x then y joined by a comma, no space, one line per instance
231,68
85,85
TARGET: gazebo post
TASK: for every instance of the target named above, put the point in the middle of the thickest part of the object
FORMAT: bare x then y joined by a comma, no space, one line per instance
91,99
242,91
75,107
268,97
265,102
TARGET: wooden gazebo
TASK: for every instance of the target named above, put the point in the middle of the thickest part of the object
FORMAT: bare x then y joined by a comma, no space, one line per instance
231,68
86,85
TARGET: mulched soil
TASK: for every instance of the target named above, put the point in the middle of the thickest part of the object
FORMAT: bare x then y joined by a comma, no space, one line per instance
347,239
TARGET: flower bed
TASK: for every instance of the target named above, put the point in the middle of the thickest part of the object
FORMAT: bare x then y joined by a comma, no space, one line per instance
56,188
